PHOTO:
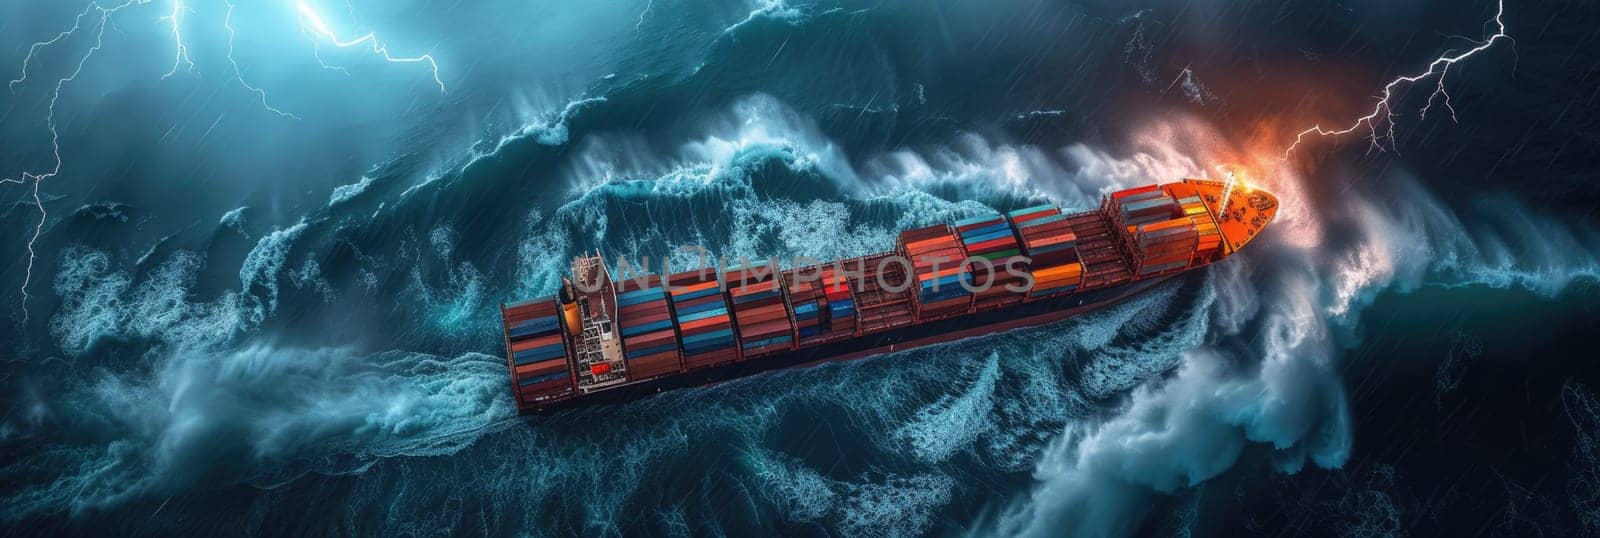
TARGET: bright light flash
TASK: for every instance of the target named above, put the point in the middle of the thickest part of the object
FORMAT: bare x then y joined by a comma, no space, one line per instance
313,21
1437,69
181,55
94,18
238,74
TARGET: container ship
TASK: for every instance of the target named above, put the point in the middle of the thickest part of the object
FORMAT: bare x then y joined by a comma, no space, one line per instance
605,340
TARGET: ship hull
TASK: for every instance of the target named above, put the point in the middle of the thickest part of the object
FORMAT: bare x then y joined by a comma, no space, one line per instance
1030,314
600,340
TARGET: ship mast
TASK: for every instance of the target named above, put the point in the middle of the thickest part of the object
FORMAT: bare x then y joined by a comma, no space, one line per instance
1227,194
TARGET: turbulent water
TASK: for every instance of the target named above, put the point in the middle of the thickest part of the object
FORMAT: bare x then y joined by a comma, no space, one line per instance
264,293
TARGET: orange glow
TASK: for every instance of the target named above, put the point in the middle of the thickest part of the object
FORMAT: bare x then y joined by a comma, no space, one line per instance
1178,145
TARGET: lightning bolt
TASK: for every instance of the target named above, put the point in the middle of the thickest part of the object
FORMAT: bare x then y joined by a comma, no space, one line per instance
34,49
95,17
181,55
1383,109
238,74
646,11
38,177
314,23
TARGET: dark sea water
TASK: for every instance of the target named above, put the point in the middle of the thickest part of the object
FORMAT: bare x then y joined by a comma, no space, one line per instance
263,296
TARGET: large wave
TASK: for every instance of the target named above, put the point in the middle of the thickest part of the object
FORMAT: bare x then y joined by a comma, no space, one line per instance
325,361
208,397
1244,354
1267,371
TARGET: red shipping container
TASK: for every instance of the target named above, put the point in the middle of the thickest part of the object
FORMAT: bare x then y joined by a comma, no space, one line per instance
649,339
924,232
541,368
653,365
764,330
526,312
641,311
1021,221
1153,262
539,341
1130,192
635,320
765,315
712,358
700,325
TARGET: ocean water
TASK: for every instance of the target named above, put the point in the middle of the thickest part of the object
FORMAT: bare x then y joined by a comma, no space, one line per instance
263,295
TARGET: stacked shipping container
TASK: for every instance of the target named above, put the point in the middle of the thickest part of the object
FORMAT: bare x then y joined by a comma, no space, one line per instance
1208,247
1049,241
820,304
649,336
807,304
991,237
701,311
841,306
759,309
1161,237
537,350
937,261
1165,246
1144,205
696,319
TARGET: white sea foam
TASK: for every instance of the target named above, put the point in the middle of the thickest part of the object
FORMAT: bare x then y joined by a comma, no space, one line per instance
896,505
460,298
800,492
234,219
954,422
280,412
345,193
90,294
98,302
1280,385
263,414
262,265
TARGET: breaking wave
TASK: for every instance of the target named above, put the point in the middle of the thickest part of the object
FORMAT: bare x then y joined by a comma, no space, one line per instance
1156,394
1264,368
328,359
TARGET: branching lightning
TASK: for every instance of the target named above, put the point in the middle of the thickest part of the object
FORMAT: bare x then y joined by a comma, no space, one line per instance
181,54
94,18
77,23
99,26
1383,110
227,22
314,23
